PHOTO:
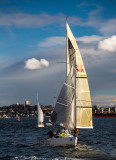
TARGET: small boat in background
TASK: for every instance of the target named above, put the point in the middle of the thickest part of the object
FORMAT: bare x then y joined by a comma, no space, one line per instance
40,115
49,123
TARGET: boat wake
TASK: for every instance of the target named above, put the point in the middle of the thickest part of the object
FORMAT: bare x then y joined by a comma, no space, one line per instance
38,158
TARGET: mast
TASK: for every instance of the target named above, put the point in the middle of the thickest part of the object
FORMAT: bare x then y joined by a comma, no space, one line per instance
37,98
75,96
67,71
66,47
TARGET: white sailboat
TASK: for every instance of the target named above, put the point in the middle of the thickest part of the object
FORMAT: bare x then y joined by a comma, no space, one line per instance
40,115
73,107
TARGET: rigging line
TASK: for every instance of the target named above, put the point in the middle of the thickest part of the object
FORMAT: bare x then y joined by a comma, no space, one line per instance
74,68
71,54
68,100
62,62
65,100
62,104
72,57
73,76
69,85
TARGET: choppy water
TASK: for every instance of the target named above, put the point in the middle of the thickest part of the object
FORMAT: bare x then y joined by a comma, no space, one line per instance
24,141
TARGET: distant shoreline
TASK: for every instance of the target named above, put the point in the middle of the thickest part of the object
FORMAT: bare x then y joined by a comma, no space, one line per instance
24,111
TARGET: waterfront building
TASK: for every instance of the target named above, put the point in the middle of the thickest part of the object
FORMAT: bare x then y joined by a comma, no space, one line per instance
27,103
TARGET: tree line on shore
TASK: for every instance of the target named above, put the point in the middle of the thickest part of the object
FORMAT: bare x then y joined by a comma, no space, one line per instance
24,110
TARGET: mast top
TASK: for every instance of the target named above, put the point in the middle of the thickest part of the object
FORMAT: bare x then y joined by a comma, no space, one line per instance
37,99
66,19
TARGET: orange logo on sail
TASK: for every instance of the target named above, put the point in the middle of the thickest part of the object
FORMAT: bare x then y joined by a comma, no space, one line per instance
79,68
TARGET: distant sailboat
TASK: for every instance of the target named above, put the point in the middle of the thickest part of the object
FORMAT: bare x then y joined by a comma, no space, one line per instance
73,107
40,115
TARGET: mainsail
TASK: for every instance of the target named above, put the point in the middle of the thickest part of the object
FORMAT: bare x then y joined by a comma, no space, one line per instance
73,107
40,114
83,100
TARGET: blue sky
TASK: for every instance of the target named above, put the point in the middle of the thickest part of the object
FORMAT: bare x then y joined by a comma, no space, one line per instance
32,41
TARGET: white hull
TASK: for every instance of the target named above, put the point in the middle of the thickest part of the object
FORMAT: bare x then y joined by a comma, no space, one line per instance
48,124
66,141
40,125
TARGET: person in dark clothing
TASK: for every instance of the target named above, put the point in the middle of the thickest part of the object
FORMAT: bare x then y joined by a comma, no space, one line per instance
58,132
50,133
75,133
55,135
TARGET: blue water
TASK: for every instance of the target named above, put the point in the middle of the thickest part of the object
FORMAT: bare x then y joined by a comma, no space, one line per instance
23,140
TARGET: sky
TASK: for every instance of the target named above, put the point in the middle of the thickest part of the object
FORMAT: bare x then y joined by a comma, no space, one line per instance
32,45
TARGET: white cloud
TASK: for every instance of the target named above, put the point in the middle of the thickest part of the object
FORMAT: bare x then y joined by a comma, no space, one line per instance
89,39
52,41
33,64
55,41
108,44
108,27
39,20
35,20
30,20
44,62
104,100
95,20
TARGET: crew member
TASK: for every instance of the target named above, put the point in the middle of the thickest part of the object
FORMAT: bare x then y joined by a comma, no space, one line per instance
50,133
